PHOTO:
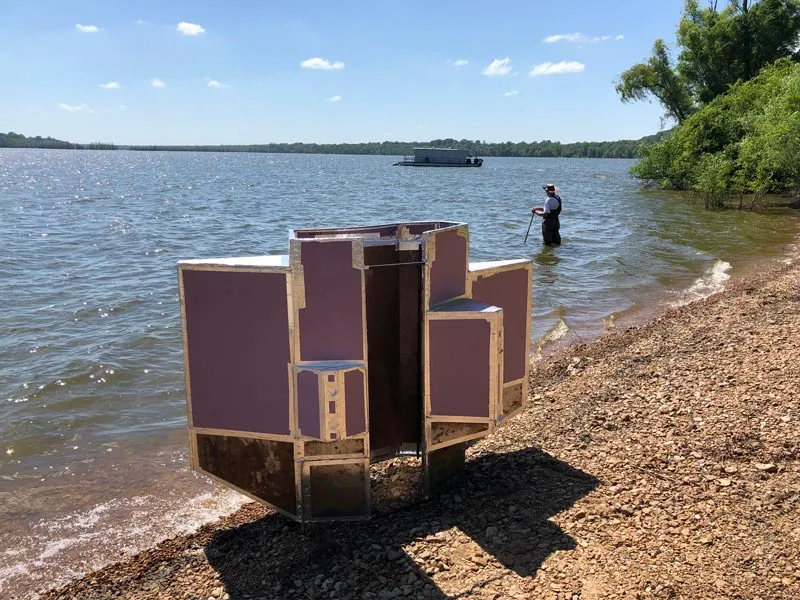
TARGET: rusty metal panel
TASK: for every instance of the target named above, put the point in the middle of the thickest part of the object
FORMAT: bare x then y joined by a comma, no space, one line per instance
264,469
331,323
237,349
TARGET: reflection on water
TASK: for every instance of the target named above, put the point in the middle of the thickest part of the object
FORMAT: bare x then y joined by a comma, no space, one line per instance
91,379
545,264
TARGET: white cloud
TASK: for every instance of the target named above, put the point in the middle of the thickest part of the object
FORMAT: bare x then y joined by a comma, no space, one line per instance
87,28
334,99
499,66
140,22
322,63
579,38
111,85
620,37
73,108
511,93
559,68
190,28
157,83
460,63
216,84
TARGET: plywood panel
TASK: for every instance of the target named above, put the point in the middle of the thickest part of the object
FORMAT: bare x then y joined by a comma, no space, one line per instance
237,330
262,468
512,398
355,415
339,447
508,290
331,324
448,271
308,409
443,466
445,432
459,367
338,490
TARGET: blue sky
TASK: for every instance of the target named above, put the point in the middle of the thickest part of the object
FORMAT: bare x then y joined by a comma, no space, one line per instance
212,72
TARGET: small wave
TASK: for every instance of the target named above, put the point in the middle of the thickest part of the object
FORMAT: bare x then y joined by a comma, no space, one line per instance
711,282
559,330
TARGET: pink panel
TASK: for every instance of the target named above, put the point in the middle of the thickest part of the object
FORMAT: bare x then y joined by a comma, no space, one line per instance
237,327
331,325
448,273
459,367
509,290
355,416
308,403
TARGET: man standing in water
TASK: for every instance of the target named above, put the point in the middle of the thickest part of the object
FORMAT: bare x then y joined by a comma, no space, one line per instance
549,213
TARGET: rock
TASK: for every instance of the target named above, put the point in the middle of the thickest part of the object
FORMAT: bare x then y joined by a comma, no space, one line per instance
730,470
491,532
766,467
393,554
724,482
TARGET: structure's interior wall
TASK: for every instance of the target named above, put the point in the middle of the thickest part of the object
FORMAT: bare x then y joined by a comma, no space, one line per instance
393,342
331,323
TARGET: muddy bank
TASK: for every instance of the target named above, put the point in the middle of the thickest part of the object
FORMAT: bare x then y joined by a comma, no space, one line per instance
658,462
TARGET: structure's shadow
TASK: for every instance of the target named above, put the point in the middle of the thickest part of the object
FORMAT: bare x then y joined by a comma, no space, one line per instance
503,502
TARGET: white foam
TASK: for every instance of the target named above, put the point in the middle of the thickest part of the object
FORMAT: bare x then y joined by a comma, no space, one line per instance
711,282
59,551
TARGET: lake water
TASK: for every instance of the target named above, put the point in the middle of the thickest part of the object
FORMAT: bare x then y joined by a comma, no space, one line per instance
92,409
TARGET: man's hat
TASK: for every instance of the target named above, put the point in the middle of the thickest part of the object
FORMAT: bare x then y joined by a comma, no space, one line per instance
550,188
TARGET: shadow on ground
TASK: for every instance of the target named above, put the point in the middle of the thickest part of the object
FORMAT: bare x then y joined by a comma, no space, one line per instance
502,502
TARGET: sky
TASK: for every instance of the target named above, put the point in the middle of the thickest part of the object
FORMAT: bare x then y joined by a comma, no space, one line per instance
247,71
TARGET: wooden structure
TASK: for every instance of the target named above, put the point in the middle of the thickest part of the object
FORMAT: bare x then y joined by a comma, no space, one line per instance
360,345
440,157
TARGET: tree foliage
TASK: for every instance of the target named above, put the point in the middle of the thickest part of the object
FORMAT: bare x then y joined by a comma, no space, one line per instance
745,141
658,77
17,140
546,148
717,48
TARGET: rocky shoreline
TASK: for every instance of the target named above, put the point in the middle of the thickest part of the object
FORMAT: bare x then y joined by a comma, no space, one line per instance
658,462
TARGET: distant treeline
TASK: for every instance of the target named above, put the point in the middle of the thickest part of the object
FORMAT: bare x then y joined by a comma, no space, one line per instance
546,148
17,140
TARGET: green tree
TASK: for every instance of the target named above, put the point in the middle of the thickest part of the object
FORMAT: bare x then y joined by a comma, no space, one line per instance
657,77
717,48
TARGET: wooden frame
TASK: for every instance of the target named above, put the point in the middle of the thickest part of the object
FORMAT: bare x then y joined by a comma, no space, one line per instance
493,316
235,265
479,270
439,431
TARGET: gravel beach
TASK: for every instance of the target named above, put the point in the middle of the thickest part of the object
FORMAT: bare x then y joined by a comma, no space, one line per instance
662,461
